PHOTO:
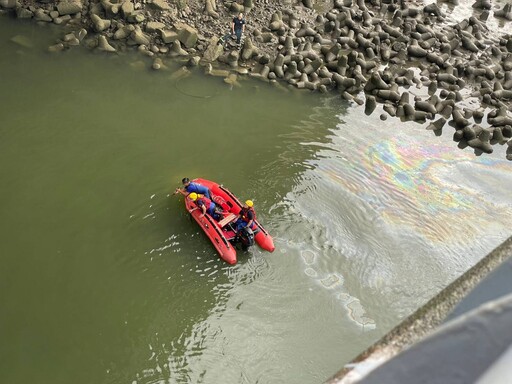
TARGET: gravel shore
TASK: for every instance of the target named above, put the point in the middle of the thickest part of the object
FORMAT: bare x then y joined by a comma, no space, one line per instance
405,55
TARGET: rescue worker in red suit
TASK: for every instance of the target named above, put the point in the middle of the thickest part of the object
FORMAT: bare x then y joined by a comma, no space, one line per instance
205,204
246,217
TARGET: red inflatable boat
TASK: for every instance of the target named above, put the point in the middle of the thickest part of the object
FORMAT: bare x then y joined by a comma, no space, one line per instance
221,233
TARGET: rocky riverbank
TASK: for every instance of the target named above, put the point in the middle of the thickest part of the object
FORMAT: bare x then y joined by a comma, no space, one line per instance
402,55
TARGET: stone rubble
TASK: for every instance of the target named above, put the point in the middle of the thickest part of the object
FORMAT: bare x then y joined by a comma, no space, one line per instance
369,51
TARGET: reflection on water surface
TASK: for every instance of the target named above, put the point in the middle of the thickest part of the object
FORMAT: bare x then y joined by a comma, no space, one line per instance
105,278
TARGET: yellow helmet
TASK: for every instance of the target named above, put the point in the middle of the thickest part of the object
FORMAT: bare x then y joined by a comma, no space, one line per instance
249,203
193,196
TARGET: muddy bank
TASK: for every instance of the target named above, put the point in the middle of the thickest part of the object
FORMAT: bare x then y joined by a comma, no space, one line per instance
401,58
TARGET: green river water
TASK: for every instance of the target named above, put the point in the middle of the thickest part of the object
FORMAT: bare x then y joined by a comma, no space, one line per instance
105,279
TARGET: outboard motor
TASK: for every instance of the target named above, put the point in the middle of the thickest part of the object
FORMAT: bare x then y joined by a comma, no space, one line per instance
245,237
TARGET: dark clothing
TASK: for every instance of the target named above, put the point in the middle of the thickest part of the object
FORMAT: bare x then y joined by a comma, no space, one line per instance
245,216
198,188
238,26
240,224
238,34
238,23
210,205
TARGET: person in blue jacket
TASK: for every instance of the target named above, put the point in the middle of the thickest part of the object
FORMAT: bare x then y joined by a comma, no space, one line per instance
189,187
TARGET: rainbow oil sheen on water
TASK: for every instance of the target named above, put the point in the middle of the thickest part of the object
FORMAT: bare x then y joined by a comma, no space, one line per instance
105,279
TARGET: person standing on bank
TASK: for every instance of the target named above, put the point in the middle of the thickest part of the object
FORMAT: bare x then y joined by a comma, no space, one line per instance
238,27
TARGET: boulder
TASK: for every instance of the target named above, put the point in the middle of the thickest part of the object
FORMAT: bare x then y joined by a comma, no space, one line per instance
91,43
232,79
265,37
388,95
41,15
95,9
154,26
249,50
61,19
180,73
69,8
278,66
22,41
497,136
505,12
193,61
161,5
458,119
425,106
168,36
143,49
81,34
23,13
236,8
313,66
499,121
71,40
477,143
103,45
288,45
127,8
308,3
211,9
136,17
99,23
140,37
408,111
8,4
56,48
242,71
123,32
371,104
187,35
214,50
232,59
437,125
111,9
375,82
390,109
219,72
469,45
415,50
482,4
158,64
433,9
247,6
176,50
